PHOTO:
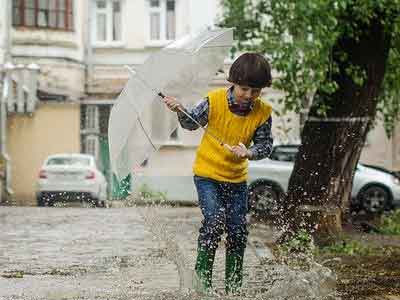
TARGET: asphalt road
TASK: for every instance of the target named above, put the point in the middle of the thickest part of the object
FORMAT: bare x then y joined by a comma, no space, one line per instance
120,253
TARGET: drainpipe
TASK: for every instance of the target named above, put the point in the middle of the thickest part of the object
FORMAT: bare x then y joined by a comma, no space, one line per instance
7,91
88,43
32,87
3,126
7,31
88,60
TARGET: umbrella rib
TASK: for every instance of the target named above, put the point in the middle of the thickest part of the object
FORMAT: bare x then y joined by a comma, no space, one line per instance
138,118
145,133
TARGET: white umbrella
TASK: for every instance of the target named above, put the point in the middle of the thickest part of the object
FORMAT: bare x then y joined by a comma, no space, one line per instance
182,69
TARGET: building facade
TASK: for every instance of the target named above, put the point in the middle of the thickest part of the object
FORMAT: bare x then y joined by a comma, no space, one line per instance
81,48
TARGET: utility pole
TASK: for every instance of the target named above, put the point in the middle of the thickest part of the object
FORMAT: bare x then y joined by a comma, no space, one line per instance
7,30
6,90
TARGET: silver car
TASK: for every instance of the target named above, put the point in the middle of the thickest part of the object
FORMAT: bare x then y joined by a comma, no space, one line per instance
374,189
70,177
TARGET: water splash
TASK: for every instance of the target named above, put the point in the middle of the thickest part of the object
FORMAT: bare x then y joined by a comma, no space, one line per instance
271,278
171,249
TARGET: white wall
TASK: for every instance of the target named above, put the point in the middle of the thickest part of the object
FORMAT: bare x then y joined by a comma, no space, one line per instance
378,149
191,15
204,13
109,75
2,30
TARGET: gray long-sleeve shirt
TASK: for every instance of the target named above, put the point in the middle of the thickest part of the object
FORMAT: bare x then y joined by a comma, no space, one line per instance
262,138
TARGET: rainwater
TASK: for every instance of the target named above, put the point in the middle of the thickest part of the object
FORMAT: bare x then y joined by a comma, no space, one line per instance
265,277
132,253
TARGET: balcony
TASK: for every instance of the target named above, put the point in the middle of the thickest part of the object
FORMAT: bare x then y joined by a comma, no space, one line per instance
19,87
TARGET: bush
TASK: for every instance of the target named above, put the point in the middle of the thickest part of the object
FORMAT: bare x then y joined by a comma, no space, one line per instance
390,224
348,248
148,194
301,242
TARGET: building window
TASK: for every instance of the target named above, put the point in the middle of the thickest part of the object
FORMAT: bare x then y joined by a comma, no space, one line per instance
54,14
91,118
108,21
90,129
162,17
92,146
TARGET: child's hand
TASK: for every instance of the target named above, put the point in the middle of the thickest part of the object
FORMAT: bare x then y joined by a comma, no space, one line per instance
173,104
241,151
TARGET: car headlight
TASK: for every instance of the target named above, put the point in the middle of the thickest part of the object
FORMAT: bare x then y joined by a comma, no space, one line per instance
396,180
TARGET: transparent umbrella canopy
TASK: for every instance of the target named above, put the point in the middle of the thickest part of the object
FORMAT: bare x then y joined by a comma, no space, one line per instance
184,70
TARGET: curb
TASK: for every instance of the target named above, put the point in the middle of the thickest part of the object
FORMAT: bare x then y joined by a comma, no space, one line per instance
126,203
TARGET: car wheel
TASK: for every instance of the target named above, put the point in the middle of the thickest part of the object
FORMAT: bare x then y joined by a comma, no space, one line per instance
100,203
91,202
374,199
40,201
45,201
264,199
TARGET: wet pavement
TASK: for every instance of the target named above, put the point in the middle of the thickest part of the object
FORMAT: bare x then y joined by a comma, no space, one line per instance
116,253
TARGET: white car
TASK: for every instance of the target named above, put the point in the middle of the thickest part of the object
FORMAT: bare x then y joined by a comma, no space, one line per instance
70,177
374,190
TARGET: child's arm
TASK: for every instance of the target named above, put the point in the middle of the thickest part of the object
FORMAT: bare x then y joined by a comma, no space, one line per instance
172,103
198,113
262,142
241,151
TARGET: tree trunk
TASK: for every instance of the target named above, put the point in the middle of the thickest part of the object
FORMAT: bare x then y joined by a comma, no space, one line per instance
321,182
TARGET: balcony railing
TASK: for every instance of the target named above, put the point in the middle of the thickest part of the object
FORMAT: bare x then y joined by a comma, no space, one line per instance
20,87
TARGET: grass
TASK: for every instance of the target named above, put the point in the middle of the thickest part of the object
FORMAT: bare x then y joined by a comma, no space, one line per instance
390,224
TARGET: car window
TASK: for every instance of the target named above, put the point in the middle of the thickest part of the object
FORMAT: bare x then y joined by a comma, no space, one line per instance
282,153
71,161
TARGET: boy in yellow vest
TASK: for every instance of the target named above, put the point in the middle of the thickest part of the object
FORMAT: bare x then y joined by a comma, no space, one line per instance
240,119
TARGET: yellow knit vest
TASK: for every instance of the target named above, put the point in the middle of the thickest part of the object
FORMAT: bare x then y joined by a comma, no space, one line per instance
215,161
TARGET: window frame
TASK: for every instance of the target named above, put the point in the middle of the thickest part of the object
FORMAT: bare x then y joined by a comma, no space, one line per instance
68,15
92,140
162,10
108,11
92,118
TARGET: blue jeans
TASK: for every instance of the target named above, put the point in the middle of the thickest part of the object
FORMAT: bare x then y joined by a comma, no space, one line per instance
224,208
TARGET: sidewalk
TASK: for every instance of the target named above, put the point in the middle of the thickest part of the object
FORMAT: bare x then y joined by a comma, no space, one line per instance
142,202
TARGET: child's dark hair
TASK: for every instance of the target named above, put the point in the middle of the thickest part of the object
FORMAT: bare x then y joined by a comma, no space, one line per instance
251,69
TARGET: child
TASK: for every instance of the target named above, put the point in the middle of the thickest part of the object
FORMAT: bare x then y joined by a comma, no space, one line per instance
238,117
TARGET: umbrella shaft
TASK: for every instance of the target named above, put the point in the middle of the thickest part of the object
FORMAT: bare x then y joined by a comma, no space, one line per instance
204,129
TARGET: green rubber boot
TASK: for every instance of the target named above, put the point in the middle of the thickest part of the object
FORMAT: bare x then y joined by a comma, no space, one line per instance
233,271
203,269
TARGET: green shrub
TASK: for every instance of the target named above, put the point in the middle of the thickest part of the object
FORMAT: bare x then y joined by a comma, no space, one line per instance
150,195
301,242
348,248
390,224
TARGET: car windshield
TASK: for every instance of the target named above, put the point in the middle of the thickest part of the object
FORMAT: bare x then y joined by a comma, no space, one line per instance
284,153
82,161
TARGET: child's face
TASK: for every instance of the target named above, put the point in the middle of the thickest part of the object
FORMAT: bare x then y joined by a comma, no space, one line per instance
245,93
